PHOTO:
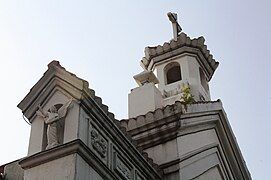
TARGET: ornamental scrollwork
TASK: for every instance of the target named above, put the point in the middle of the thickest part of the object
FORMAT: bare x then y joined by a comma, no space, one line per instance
98,143
123,169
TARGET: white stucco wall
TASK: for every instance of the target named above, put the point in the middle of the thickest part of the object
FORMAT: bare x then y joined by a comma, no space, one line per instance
163,153
36,136
211,174
194,141
37,126
189,71
200,156
84,171
144,99
63,168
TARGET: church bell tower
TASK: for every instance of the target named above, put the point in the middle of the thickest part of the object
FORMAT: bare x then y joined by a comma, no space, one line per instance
172,117
181,70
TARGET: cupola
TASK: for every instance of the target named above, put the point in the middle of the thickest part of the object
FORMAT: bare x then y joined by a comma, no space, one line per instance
181,63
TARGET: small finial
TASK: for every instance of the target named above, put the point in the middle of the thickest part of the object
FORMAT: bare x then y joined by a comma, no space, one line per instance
54,63
176,27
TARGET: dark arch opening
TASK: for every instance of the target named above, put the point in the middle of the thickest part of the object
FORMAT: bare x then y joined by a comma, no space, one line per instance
173,73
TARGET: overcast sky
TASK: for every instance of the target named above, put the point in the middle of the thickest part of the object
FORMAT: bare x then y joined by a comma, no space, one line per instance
103,42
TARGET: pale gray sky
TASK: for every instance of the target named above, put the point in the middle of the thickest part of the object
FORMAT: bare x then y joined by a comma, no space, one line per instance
103,41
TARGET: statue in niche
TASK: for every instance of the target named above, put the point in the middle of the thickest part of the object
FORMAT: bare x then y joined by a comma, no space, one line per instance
51,118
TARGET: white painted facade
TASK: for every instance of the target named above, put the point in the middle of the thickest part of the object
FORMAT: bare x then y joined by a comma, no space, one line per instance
143,99
37,142
91,144
62,168
149,97
189,72
163,139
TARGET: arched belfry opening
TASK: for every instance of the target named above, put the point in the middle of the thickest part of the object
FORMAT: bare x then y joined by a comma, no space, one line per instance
172,73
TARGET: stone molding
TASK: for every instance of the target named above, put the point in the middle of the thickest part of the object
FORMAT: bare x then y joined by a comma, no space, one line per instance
182,41
121,136
51,154
73,147
57,78
171,166
167,120
212,157
195,117
122,168
86,104
151,117
98,143
176,109
174,165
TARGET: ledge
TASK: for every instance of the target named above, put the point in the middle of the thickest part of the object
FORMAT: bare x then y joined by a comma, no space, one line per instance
52,154
175,109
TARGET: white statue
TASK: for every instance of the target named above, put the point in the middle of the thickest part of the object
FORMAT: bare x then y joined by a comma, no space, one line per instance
51,117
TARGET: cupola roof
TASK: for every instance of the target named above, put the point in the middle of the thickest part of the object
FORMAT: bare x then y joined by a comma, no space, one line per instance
183,44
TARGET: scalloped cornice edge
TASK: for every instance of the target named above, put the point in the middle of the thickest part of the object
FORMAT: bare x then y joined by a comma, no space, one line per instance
182,41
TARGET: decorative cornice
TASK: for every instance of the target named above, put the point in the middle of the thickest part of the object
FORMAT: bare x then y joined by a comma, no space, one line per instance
195,117
182,41
52,154
73,147
177,108
57,77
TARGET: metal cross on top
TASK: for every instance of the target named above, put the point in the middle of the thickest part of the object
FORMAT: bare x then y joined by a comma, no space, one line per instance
176,27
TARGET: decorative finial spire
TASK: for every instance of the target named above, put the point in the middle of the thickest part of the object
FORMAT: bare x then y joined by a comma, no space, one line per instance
176,27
